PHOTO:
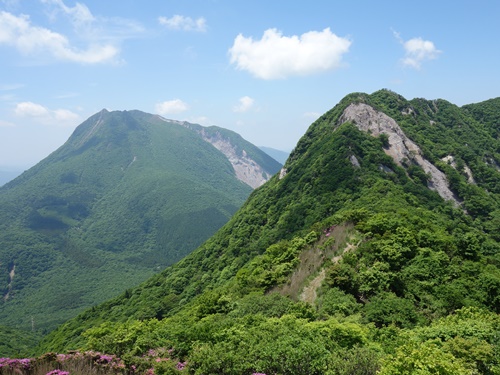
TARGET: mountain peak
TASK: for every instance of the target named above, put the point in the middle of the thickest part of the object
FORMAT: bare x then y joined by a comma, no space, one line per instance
127,187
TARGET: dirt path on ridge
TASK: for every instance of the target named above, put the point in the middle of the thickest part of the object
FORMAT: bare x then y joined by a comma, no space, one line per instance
309,293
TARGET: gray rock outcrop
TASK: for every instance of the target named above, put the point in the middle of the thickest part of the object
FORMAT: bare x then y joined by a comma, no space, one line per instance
401,148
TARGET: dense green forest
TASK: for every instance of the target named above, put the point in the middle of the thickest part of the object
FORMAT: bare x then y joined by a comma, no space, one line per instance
347,262
127,195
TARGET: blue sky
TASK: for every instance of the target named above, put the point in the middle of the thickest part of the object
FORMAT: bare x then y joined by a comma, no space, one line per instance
265,69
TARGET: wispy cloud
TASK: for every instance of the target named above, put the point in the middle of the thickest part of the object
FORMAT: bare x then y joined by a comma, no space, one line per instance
417,51
10,3
244,104
80,13
42,114
94,28
178,22
11,86
171,107
276,56
6,124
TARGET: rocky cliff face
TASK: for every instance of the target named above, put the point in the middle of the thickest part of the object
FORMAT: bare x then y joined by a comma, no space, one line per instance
246,169
401,148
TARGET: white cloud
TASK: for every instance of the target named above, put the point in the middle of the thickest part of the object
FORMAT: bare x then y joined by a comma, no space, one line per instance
31,109
18,32
43,115
417,51
178,22
244,104
277,56
171,107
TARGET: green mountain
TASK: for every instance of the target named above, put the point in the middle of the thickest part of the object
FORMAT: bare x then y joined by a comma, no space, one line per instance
374,250
127,195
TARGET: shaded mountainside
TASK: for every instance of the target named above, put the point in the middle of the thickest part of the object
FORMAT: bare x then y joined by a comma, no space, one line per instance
128,194
370,251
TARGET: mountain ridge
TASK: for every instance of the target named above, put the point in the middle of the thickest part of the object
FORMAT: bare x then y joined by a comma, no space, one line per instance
417,257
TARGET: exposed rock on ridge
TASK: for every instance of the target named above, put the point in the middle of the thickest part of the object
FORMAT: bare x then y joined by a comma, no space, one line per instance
367,119
246,169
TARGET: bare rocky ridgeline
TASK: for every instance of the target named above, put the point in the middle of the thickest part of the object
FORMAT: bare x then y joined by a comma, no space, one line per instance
401,148
246,169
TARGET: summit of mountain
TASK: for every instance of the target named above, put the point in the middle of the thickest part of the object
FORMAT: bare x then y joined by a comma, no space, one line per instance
128,194
375,246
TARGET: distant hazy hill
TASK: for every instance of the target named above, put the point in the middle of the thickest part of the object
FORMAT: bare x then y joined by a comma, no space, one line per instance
375,250
278,155
128,194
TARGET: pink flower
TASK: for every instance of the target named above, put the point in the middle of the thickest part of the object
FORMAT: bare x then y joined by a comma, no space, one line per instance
180,365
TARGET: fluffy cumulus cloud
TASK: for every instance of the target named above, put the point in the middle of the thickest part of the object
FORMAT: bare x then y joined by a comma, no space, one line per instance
178,22
44,115
244,104
277,56
417,51
31,109
171,107
18,32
